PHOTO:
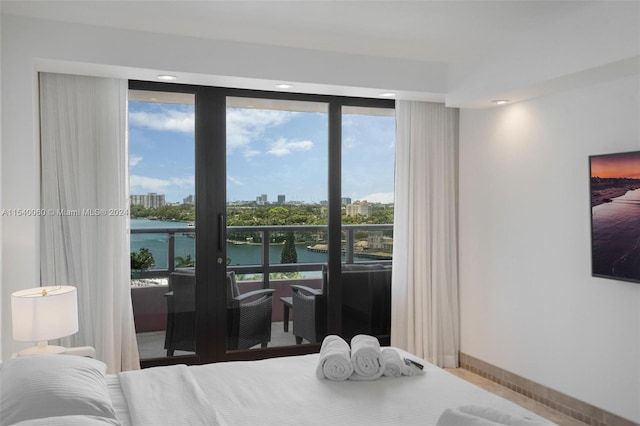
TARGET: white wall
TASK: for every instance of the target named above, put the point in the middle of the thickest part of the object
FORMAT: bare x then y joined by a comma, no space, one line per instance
528,302
32,45
577,37
0,188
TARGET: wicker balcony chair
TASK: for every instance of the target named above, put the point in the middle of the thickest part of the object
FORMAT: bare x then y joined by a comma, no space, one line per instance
310,311
248,315
181,313
366,304
366,300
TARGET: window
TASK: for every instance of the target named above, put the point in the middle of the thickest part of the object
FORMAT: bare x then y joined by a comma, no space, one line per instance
162,188
287,189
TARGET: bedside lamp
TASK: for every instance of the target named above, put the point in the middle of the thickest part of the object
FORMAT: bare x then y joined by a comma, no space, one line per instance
44,313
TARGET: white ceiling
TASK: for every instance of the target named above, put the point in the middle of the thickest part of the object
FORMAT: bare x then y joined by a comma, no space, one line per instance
444,31
461,34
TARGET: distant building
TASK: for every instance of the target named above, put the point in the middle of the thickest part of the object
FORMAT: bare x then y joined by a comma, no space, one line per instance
345,201
188,199
375,240
281,199
261,200
149,200
361,208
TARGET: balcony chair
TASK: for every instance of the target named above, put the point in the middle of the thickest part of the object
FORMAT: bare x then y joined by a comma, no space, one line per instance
248,315
310,311
181,313
366,304
366,299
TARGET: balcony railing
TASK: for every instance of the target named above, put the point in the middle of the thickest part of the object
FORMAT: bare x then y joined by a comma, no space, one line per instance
166,244
267,233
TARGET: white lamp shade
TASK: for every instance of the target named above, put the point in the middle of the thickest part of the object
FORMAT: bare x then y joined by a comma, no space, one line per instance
37,317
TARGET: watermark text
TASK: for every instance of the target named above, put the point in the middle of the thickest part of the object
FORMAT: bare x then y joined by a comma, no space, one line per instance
64,212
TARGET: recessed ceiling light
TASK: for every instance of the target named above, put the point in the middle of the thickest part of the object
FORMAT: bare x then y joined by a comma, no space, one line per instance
500,101
167,77
387,94
284,86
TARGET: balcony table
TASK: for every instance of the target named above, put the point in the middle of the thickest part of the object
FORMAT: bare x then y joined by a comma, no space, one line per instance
287,303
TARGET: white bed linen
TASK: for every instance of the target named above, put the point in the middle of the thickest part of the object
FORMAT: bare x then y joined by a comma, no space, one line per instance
146,391
286,391
118,400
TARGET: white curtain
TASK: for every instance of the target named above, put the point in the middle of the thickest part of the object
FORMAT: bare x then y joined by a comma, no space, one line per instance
84,194
425,313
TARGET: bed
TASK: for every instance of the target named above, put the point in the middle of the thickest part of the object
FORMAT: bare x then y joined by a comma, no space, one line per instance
68,390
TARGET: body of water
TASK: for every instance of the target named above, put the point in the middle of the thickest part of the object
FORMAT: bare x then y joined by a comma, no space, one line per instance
616,237
185,244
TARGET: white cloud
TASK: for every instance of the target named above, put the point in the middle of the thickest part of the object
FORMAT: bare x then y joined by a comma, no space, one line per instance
134,160
166,119
349,142
379,197
234,180
148,184
249,153
184,182
245,126
284,147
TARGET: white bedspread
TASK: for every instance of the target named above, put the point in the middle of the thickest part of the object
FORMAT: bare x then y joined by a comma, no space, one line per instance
286,391
166,396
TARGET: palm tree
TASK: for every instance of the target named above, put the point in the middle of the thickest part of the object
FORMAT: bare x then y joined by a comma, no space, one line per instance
289,253
185,262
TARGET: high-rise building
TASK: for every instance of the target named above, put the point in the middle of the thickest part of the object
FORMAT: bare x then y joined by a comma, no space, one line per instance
345,201
375,239
149,200
361,208
261,200
188,199
281,199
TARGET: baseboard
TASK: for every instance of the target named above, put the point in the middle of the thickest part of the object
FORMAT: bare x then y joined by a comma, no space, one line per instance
558,401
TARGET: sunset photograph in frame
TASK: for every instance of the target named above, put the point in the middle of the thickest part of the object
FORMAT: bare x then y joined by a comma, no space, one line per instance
615,215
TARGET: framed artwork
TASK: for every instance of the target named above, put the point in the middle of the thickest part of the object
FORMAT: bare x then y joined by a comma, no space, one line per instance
615,215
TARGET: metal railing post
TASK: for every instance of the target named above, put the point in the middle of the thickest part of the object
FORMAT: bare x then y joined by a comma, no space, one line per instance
349,241
266,243
171,252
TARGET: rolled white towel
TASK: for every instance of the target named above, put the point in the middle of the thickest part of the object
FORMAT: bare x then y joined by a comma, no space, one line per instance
500,417
455,417
394,366
335,359
366,358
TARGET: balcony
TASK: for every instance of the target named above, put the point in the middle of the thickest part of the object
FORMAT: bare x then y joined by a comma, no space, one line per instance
254,255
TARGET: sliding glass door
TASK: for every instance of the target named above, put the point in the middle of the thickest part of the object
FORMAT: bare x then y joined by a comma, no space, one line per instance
276,242
162,212
268,199
368,164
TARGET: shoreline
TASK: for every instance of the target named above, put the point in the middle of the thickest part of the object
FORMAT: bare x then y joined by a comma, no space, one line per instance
605,195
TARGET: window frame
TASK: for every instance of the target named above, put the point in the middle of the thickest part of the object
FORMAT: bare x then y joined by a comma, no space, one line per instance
210,149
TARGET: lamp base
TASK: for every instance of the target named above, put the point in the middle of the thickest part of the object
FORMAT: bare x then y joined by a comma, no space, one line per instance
42,349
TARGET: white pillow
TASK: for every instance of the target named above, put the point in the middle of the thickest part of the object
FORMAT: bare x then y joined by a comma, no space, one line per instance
70,421
40,386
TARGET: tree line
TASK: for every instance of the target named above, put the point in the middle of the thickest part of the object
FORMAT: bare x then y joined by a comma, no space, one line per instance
306,214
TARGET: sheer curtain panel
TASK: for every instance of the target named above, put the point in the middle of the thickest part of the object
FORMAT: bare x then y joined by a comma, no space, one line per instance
85,231
425,313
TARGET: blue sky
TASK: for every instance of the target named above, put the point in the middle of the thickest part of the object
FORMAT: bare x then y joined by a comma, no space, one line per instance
268,152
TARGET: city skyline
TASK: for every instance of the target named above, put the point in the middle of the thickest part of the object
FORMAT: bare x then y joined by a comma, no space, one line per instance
189,199
269,152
